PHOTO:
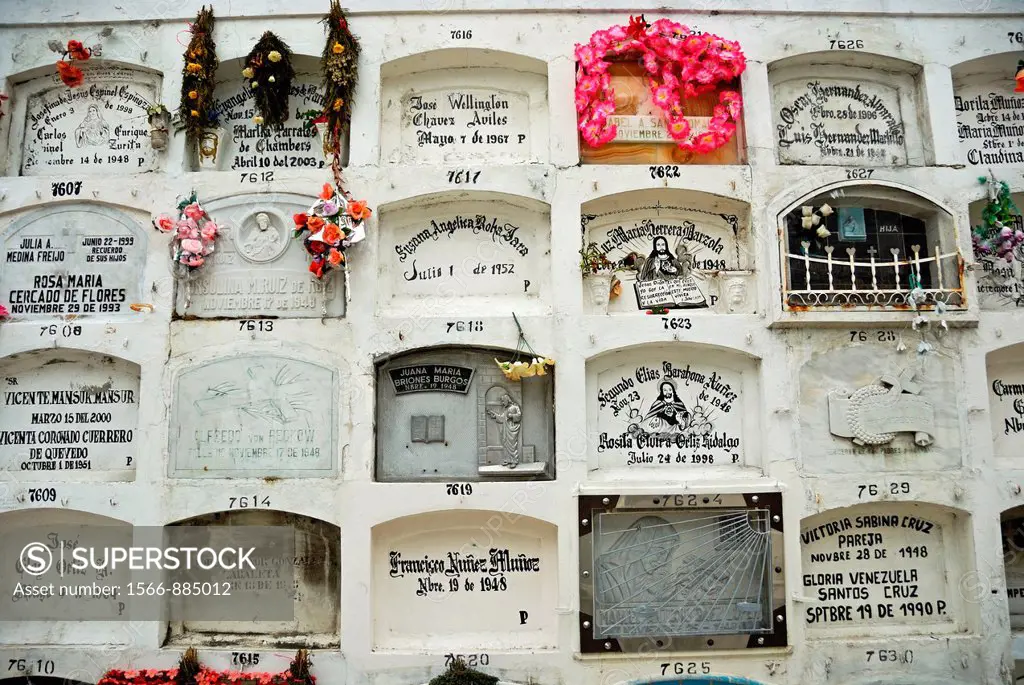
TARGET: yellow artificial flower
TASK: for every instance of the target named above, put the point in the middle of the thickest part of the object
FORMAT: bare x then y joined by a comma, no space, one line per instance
255,84
193,68
257,120
192,95
337,105
274,56
247,72
272,79
337,48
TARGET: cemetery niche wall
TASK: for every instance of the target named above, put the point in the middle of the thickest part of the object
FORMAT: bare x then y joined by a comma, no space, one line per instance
1012,533
989,112
1005,376
258,269
254,415
464,105
69,415
851,246
98,128
450,412
316,580
470,253
673,409
860,111
1001,283
870,408
672,249
885,569
689,572
243,145
468,579
70,260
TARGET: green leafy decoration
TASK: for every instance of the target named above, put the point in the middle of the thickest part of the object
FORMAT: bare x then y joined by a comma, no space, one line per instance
459,673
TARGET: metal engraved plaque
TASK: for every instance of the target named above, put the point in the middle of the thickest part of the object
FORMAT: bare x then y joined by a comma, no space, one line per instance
81,259
682,568
254,415
431,378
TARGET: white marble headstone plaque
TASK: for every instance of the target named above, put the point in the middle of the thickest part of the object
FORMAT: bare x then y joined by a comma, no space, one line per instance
254,416
100,127
838,121
1006,405
79,259
69,415
990,114
259,269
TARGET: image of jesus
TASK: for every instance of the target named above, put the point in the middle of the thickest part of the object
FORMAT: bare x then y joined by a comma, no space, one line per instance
667,412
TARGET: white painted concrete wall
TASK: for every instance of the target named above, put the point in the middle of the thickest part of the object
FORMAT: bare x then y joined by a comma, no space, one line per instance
966,475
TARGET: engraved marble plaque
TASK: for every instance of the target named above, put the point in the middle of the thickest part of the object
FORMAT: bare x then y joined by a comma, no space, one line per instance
1001,283
1006,404
69,415
989,112
80,259
254,416
101,127
258,268
838,121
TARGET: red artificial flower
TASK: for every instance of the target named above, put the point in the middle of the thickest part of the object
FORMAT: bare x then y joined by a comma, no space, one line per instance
300,220
637,26
315,223
332,234
335,257
316,267
71,75
316,247
327,192
78,51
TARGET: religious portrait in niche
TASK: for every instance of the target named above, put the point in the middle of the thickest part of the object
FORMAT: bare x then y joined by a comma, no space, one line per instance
263,242
94,130
465,419
665,278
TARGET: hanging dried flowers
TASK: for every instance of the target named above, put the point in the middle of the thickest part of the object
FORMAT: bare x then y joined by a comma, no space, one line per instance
679,63
269,73
334,223
515,368
67,69
193,234
339,64
199,77
995,237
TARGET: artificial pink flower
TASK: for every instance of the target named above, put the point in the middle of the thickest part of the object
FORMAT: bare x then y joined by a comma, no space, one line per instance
194,211
164,223
210,230
191,245
4,312
662,96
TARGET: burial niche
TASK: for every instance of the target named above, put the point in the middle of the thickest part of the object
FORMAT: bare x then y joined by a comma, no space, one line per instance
883,569
80,260
860,112
688,572
254,415
450,412
99,128
468,579
1006,401
468,253
258,269
315,564
989,112
464,105
1001,283
671,249
69,415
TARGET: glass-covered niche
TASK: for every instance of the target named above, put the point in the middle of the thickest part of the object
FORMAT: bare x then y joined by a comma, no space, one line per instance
464,105
1001,283
450,412
1012,533
1005,369
315,572
98,128
692,572
860,111
672,249
80,259
989,111
868,246
885,569
242,145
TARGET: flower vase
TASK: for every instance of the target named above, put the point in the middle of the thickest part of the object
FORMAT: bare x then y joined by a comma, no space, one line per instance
158,138
208,148
600,289
321,135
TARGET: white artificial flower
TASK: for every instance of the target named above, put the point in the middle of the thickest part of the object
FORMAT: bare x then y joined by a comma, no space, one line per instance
823,232
807,210
807,222
825,210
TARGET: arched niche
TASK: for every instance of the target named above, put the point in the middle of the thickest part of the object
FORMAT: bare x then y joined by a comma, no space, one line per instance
677,249
868,407
878,235
254,415
246,146
848,109
61,619
69,415
1011,524
464,105
1001,283
466,253
989,113
885,569
470,579
259,269
310,572
450,413
1005,371
100,128
672,408
77,258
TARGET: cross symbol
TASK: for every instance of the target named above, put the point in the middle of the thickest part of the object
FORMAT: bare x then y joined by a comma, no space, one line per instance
872,251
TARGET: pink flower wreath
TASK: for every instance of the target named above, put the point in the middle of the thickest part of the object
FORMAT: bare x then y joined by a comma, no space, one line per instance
679,63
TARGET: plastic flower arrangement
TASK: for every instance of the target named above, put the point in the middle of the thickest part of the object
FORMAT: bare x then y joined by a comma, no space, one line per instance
334,223
193,233
515,369
68,71
995,237
4,313
679,63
